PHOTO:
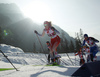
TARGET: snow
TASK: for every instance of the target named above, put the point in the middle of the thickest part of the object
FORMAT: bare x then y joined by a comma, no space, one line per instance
33,64
10,49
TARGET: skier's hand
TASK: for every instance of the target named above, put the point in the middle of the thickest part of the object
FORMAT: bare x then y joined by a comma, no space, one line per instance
35,32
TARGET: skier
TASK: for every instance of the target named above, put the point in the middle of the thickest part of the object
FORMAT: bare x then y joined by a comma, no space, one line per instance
82,61
57,60
53,33
92,44
48,45
87,50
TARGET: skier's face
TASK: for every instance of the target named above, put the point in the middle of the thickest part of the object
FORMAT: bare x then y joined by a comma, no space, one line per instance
48,44
86,37
46,26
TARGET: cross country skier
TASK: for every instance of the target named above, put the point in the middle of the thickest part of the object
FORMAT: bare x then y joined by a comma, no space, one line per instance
92,44
48,45
87,50
53,33
82,61
57,60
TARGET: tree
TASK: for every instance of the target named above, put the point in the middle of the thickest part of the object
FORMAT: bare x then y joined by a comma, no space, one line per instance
64,43
71,46
81,35
77,44
78,40
1,34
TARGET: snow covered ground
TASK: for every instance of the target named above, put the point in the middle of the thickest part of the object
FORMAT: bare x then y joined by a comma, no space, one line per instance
33,65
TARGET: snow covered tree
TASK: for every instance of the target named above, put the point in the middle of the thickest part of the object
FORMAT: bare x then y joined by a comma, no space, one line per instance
81,35
79,39
77,44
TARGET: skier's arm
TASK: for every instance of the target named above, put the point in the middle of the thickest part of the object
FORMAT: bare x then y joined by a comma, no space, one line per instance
95,40
55,30
83,43
43,33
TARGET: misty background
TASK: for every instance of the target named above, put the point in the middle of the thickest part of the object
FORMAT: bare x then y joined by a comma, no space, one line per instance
18,30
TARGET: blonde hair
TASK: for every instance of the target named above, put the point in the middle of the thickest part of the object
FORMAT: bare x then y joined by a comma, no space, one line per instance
49,23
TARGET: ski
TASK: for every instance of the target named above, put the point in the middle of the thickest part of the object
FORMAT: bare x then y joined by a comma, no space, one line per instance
5,69
48,65
53,65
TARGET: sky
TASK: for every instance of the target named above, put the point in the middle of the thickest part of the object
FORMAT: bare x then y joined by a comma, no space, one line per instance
70,15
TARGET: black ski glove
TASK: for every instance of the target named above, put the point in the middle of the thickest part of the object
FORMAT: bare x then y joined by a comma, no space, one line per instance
35,32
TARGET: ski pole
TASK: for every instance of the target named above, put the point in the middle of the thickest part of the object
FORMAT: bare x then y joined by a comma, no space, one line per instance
64,62
41,46
75,59
70,59
8,60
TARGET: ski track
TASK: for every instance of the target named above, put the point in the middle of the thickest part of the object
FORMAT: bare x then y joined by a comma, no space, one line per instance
39,71
32,65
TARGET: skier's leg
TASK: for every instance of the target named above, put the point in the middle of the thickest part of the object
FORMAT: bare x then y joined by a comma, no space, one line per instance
51,54
54,44
83,61
93,51
91,55
88,58
80,62
55,52
48,58
52,57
